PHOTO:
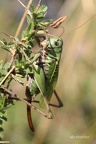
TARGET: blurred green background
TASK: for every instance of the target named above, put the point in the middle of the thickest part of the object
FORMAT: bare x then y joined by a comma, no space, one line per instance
75,123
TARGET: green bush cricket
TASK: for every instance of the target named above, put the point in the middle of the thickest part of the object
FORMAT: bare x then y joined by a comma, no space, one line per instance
45,74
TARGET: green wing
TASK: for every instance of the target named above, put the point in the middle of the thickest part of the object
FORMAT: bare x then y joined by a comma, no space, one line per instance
51,79
39,77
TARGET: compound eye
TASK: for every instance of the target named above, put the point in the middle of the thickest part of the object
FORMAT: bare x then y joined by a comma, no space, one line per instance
56,42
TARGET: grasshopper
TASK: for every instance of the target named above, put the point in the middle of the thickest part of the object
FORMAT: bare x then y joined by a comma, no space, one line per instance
45,75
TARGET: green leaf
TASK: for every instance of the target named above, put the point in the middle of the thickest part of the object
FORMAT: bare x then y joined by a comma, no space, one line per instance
5,48
3,118
44,24
28,18
1,129
30,27
19,79
3,70
6,65
2,101
28,70
4,41
42,9
41,12
1,122
32,7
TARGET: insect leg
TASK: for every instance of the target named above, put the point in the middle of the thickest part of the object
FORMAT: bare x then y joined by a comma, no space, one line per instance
54,105
58,99
50,115
41,112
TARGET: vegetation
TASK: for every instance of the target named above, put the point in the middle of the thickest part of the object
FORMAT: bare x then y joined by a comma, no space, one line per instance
75,122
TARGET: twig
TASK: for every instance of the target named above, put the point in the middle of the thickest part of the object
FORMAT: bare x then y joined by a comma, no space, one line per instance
1,42
23,18
15,97
38,6
34,107
7,75
4,142
24,15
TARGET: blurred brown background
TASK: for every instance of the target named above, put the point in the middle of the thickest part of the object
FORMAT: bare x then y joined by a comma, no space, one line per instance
75,123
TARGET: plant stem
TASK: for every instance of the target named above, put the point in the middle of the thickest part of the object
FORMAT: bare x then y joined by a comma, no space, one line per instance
4,142
25,101
23,18
7,75
39,3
